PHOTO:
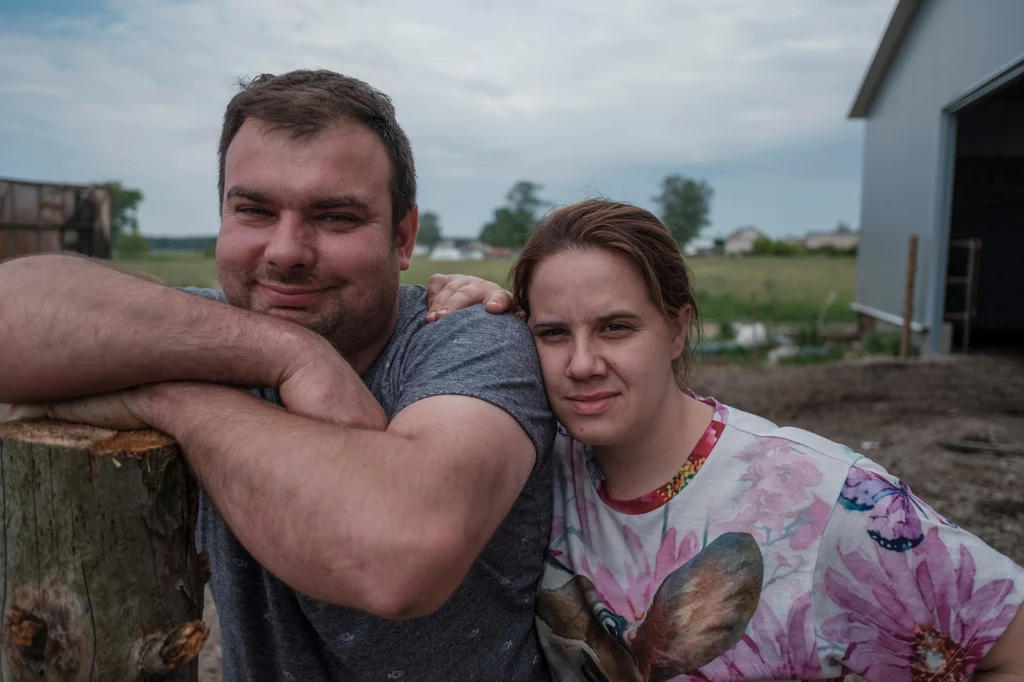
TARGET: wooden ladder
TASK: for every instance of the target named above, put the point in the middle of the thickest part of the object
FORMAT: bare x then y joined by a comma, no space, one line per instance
970,282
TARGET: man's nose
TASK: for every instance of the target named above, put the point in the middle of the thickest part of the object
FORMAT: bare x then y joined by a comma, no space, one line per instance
292,244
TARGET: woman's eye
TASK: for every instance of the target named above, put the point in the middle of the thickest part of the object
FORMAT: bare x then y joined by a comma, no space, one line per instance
551,333
616,328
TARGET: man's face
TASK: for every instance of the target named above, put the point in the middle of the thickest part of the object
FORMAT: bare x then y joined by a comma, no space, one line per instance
306,233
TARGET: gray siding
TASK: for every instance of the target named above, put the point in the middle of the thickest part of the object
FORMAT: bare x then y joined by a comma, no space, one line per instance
952,46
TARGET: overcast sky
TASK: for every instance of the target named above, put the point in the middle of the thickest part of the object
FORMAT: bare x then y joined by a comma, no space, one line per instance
583,96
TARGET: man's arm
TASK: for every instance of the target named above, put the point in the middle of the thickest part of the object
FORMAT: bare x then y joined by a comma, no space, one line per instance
388,522
71,327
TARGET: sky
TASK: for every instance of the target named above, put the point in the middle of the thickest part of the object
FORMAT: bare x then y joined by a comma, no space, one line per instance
585,97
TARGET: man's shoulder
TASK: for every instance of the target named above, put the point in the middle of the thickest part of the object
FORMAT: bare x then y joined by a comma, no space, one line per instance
466,325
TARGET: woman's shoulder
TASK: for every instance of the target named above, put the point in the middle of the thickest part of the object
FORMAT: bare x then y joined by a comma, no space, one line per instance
758,432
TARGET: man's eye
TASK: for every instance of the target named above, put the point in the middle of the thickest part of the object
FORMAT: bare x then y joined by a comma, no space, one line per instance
252,210
339,218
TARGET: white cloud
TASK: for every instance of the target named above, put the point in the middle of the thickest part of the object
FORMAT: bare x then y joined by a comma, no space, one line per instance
487,91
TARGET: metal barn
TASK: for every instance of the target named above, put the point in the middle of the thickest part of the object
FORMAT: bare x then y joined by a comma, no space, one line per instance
943,104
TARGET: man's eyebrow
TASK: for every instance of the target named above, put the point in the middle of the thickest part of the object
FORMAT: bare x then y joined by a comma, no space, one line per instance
249,193
321,203
340,201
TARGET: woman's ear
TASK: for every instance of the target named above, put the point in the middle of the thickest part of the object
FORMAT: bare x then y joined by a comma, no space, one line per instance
682,330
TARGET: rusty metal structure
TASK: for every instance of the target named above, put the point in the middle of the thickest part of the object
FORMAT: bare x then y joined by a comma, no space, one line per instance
37,217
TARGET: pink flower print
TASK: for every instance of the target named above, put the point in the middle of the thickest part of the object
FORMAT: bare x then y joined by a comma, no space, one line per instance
760,508
771,649
784,470
809,525
632,599
914,616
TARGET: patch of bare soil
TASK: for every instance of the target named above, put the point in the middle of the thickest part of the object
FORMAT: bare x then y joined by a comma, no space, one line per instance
898,413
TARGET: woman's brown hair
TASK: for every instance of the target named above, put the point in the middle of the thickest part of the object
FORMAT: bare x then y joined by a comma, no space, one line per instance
630,232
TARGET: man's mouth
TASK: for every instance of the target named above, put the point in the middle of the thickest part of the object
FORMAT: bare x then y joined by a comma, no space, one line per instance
288,296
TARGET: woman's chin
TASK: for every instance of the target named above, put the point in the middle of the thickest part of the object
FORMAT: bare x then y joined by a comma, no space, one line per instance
592,432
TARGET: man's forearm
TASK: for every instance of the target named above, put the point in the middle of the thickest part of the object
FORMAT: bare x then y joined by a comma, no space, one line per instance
327,509
71,327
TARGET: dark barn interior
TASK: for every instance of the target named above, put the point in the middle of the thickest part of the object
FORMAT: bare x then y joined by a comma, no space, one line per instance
986,250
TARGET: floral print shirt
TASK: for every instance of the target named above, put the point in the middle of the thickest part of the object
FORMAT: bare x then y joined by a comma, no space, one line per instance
776,554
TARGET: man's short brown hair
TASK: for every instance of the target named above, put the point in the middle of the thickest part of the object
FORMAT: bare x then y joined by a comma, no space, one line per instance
306,103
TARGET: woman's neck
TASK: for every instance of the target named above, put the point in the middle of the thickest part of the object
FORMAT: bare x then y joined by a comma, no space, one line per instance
656,449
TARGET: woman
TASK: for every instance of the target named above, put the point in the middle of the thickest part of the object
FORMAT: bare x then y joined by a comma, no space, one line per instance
694,541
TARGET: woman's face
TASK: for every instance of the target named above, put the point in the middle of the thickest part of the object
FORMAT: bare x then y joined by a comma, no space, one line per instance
605,349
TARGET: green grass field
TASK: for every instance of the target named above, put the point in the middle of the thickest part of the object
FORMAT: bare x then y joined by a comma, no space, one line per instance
770,289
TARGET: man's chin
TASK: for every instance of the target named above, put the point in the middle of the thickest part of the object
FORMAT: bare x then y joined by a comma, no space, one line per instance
300,316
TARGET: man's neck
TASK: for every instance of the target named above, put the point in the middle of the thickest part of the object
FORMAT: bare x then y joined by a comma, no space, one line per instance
362,359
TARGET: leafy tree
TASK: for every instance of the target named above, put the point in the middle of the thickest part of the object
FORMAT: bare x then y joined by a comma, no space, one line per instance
124,207
430,230
133,244
685,204
843,228
513,223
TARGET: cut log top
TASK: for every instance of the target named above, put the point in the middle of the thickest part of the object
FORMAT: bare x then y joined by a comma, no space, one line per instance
97,441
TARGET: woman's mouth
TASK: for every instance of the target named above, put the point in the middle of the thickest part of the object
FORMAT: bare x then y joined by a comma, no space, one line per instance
591,404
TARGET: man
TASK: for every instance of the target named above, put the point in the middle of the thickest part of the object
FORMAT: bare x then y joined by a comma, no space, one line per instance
391,527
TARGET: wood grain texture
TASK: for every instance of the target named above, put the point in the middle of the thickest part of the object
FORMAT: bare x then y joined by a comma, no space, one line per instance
100,576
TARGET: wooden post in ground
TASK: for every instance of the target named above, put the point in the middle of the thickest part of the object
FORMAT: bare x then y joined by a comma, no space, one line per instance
908,297
101,580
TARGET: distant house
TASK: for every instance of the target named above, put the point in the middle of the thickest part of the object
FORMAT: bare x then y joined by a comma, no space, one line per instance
420,250
742,240
445,250
699,247
498,252
837,240
463,249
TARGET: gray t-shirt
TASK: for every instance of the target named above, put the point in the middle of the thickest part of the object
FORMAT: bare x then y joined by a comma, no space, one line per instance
485,630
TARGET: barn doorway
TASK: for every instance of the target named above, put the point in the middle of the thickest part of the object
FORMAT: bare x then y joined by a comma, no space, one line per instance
984,298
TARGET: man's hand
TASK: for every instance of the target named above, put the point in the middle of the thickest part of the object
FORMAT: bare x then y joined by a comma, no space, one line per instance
110,411
321,385
446,293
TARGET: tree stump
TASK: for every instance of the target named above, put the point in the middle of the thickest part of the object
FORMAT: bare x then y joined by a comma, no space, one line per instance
101,579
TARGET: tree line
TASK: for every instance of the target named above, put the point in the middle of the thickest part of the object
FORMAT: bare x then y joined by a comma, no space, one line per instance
683,203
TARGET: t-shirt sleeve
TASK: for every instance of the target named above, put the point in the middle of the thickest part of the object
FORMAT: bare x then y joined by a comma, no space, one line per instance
900,592
209,294
471,352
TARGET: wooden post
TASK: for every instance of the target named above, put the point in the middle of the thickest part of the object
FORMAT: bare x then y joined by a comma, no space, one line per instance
101,578
908,297
753,313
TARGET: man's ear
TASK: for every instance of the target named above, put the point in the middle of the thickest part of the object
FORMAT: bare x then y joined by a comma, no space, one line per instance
405,236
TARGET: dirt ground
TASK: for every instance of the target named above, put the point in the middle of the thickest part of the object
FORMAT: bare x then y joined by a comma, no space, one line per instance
896,413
